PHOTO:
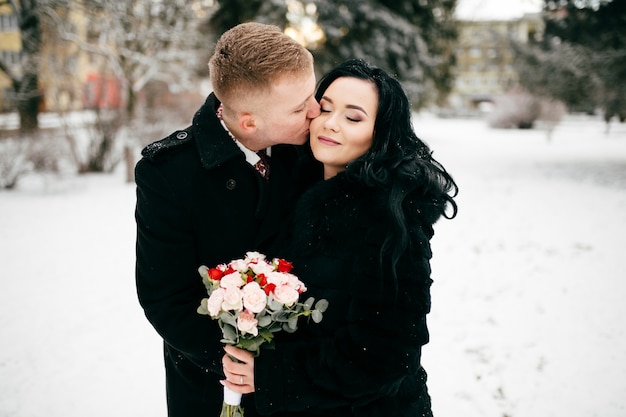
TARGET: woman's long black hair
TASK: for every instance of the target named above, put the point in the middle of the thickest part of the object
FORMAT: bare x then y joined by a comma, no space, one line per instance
398,160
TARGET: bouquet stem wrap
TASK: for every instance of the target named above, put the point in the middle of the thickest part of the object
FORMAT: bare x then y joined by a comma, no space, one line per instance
231,407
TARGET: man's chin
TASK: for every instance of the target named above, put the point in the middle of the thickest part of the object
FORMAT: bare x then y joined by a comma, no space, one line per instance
304,139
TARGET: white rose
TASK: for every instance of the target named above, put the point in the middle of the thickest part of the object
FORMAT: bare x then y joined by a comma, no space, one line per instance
232,280
295,283
232,299
254,298
286,295
214,303
277,278
254,257
262,268
239,265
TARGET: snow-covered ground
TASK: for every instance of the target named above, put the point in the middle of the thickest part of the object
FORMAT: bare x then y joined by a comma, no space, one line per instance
529,311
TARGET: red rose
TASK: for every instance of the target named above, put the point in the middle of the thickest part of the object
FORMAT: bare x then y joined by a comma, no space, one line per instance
215,274
284,266
269,288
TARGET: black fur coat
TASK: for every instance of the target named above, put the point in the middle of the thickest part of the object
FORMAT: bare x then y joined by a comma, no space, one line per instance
363,359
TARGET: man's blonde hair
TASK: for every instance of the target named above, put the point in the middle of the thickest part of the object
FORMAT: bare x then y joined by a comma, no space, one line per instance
250,57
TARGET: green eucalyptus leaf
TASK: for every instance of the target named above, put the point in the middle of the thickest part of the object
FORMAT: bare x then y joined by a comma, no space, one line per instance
308,303
287,328
316,315
293,323
202,308
229,332
264,321
251,345
321,305
228,318
275,305
208,284
266,334
203,270
279,316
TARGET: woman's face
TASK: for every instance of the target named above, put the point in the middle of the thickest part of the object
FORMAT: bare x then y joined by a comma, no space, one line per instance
345,128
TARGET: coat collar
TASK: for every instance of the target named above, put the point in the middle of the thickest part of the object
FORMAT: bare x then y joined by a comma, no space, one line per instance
214,144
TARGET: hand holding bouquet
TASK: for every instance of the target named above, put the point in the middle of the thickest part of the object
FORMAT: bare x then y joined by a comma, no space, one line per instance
252,299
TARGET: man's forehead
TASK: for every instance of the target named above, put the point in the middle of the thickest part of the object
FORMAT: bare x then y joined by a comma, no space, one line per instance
296,89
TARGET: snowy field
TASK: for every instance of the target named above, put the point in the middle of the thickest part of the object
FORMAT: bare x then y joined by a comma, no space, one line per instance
529,311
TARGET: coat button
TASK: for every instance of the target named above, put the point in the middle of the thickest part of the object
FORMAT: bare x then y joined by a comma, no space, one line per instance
181,135
231,184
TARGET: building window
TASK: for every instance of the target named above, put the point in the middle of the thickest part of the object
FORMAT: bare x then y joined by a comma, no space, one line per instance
10,58
8,22
475,52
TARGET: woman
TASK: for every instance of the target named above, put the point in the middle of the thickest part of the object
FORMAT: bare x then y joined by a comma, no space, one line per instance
359,239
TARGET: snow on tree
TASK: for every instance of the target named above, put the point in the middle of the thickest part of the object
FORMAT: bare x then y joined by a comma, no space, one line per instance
581,58
413,39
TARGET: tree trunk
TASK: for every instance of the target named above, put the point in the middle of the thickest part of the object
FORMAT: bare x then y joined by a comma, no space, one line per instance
28,101
27,88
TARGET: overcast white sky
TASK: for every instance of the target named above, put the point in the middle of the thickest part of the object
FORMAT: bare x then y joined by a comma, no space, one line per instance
496,9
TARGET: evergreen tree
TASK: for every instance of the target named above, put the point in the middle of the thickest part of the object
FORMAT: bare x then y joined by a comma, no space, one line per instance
413,39
582,56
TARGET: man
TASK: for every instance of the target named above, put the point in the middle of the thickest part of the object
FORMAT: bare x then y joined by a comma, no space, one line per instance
200,200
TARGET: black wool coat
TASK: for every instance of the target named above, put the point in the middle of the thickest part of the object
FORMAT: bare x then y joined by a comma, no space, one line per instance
363,359
199,203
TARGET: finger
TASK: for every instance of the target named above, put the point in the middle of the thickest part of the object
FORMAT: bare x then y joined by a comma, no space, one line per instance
232,366
243,389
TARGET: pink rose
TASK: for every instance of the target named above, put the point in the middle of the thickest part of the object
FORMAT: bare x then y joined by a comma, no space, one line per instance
246,323
286,295
214,303
232,299
254,298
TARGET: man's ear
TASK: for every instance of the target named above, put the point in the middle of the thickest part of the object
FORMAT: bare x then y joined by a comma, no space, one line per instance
247,123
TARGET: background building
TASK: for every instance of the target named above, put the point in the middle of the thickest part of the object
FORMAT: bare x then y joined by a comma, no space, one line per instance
484,55
10,47
70,77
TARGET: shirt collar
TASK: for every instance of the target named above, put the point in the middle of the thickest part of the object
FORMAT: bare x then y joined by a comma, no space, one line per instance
251,157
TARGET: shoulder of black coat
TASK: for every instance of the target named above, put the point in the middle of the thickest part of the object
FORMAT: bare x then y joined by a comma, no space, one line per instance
177,140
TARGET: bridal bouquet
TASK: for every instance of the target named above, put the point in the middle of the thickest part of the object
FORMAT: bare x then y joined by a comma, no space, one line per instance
252,299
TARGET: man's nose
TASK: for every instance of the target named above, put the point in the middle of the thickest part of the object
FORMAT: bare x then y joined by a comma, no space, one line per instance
314,109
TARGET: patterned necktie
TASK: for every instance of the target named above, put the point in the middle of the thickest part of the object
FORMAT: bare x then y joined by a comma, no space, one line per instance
263,165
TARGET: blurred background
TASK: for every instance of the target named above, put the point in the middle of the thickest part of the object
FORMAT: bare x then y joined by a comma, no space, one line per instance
521,100
102,78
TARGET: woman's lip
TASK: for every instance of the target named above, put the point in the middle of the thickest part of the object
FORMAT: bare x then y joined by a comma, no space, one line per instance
327,141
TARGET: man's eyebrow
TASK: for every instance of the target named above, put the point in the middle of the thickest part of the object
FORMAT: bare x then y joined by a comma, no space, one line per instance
350,106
